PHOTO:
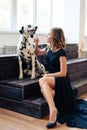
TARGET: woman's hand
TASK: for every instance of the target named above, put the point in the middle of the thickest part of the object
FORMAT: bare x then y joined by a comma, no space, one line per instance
36,40
47,75
38,51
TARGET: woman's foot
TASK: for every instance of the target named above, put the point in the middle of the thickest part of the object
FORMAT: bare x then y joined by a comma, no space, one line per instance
51,125
52,119
53,116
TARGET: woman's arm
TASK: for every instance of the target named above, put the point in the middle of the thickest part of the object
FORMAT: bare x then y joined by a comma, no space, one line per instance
39,51
63,69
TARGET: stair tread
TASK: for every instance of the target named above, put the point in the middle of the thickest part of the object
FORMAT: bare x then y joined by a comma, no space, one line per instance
76,60
19,83
80,82
39,100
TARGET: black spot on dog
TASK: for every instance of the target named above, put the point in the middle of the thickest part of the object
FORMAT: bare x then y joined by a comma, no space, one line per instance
29,26
29,44
35,61
35,65
33,46
23,46
27,71
28,52
22,54
41,66
29,57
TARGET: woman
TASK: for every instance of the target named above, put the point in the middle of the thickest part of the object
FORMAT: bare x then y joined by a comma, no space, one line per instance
55,86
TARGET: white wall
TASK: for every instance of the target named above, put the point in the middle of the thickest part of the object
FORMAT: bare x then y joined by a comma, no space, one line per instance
86,42
71,20
72,25
13,38
9,38
82,22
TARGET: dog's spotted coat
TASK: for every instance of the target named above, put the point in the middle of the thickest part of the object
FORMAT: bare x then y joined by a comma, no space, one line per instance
26,53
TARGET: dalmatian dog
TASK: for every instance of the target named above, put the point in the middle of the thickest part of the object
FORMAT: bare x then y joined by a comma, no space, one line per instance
26,53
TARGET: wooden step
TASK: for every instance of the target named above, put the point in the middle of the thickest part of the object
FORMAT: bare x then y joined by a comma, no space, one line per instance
22,89
81,85
35,106
19,89
9,67
77,68
21,95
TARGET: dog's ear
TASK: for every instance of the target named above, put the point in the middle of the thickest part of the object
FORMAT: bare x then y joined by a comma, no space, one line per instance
36,27
22,30
29,26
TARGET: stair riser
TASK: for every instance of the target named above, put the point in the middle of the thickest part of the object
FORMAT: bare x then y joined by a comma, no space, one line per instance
8,67
34,110
31,90
77,75
77,70
82,90
19,94
11,92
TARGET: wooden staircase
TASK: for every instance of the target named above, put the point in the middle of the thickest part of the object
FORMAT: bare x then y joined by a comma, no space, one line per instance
24,96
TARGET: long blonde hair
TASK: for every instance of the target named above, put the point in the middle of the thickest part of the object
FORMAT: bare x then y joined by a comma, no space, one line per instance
58,38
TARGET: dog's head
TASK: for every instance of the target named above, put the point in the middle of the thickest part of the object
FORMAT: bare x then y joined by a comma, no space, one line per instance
28,31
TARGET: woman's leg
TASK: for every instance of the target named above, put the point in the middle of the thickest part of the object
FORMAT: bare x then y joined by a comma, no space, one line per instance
47,84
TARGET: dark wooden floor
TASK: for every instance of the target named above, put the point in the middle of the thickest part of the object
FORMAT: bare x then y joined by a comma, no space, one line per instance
14,121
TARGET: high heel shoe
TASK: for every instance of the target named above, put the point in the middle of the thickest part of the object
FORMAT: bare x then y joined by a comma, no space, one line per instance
51,125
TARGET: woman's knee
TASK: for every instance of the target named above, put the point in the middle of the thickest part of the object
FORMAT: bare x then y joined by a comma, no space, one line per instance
42,81
47,81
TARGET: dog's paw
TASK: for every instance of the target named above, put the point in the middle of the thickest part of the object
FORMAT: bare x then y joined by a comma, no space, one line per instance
20,77
32,77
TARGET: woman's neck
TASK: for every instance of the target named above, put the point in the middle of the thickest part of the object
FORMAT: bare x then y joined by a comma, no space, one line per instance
55,49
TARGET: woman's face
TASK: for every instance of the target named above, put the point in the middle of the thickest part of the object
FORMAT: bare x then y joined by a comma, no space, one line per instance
49,37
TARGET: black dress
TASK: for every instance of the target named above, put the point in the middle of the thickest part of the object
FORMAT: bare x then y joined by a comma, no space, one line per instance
71,110
64,96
